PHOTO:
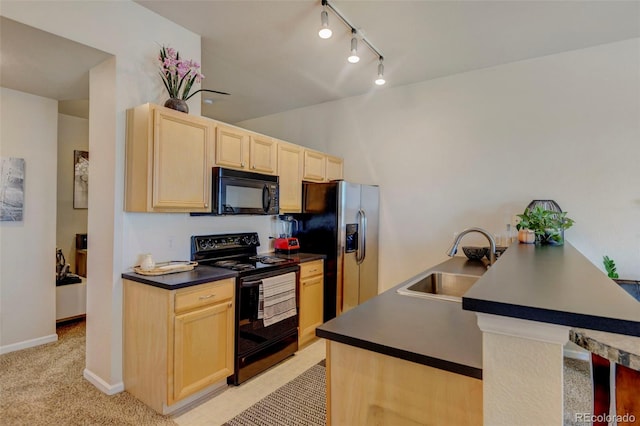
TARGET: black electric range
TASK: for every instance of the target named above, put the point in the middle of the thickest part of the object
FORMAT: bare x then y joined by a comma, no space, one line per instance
257,347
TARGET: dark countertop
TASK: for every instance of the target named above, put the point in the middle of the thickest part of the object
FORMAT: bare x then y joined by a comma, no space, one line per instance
300,257
554,284
203,274
199,275
437,333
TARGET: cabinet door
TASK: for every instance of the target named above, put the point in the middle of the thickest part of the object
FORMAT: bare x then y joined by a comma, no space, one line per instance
314,166
182,154
311,304
334,168
290,173
203,348
263,155
232,148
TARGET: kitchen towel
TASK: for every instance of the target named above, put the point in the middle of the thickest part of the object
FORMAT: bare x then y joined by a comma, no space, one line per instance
279,295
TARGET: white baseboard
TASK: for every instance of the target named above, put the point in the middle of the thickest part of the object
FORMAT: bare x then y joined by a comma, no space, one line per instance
28,343
102,386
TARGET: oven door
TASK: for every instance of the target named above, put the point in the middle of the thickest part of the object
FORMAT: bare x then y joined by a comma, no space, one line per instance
240,192
259,347
252,333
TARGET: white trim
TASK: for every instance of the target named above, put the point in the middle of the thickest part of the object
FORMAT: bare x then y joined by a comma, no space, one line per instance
533,330
102,386
573,351
28,343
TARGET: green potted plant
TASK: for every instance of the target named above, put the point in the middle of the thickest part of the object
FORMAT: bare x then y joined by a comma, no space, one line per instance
610,266
547,225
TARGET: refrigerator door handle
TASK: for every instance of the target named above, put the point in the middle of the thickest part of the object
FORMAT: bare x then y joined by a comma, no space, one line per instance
362,244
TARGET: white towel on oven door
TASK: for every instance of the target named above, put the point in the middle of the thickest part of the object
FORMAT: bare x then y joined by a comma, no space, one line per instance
279,298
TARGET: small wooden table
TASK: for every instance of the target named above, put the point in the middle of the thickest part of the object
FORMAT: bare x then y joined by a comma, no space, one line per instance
81,262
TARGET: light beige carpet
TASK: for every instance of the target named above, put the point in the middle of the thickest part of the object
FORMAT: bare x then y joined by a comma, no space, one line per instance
44,386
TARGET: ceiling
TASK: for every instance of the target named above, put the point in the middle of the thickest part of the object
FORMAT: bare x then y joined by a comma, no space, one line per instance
268,55
43,64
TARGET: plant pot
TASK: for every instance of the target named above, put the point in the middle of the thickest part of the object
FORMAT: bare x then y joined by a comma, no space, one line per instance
526,236
548,239
177,104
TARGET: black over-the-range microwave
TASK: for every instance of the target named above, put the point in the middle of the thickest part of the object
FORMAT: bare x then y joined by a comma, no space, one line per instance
239,192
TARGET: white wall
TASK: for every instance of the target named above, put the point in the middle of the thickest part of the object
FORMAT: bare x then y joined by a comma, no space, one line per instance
27,248
133,35
73,134
473,149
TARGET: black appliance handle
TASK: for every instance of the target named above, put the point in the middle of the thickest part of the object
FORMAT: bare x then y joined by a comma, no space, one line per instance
266,198
248,284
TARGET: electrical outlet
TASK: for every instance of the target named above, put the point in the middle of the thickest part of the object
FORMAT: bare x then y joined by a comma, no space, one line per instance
170,241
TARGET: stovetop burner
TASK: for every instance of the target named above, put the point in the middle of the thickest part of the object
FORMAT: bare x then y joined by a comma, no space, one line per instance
268,259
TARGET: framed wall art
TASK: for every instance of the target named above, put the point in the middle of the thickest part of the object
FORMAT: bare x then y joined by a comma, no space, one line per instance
80,179
11,188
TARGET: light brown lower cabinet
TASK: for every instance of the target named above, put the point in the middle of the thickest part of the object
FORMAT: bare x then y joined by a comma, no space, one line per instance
369,388
311,300
177,342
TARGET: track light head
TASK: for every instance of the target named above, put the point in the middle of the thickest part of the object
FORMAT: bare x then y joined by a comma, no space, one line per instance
325,32
353,57
380,80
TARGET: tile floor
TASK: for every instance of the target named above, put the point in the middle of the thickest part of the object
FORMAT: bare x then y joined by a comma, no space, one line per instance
235,399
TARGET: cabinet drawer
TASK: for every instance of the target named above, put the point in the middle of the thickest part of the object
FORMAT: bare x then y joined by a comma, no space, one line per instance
310,269
204,294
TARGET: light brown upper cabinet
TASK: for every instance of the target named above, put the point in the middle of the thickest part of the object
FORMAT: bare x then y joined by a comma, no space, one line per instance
320,167
232,147
314,168
263,154
334,168
242,150
290,173
169,156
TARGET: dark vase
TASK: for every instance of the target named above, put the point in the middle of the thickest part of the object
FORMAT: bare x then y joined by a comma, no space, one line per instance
177,104
547,239
553,206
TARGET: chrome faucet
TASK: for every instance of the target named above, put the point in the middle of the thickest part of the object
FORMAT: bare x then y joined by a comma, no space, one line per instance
492,243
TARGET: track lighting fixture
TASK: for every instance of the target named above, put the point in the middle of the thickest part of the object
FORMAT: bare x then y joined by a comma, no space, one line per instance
353,57
325,32
380,80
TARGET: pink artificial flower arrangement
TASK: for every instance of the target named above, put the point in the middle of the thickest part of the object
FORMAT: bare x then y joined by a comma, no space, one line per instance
178,74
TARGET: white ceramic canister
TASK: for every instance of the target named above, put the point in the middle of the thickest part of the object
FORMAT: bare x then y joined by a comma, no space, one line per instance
147,262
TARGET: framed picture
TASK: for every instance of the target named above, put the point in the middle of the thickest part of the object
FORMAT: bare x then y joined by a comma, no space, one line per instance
11,189
80,179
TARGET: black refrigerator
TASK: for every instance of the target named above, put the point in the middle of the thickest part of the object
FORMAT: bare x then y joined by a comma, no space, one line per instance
340,220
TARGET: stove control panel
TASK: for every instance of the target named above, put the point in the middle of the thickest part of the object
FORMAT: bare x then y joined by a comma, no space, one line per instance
222,242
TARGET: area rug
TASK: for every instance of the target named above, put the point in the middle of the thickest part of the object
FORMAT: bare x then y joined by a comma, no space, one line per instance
301,402
44,386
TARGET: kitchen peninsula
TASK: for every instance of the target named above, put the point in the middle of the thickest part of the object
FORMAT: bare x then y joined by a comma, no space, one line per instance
526,304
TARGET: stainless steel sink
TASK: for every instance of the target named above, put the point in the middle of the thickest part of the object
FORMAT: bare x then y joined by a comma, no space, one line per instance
439,285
